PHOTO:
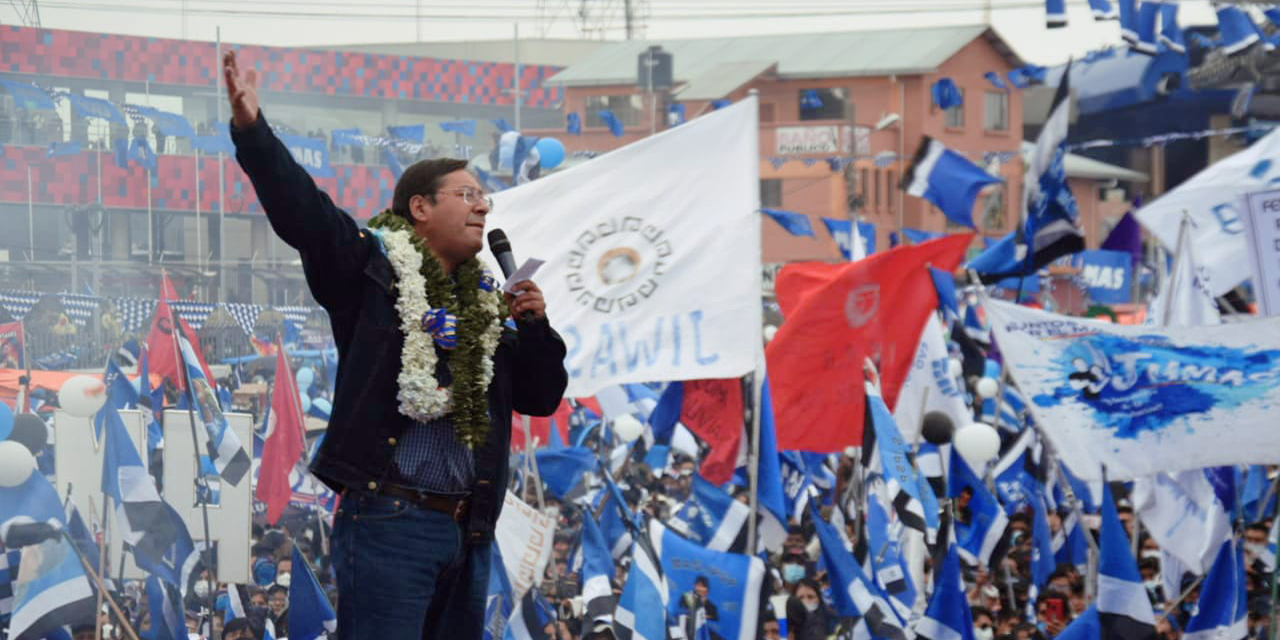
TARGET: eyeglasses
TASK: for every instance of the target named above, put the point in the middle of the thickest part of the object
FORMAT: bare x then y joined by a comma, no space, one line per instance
472,196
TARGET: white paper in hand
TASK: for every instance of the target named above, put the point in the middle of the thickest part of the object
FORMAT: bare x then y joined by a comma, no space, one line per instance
525,272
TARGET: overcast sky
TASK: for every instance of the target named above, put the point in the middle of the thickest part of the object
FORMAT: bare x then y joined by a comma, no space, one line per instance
287,23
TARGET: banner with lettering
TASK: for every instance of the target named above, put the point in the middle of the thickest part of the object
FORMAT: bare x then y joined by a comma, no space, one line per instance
1214,200
652,254
524,536
311,153
1106,274
1142,400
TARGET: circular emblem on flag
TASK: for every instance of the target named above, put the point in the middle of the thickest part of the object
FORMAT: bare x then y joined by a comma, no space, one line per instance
862,304
617,264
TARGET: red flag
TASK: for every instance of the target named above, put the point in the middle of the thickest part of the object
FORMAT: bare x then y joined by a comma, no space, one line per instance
540,426
874,307
712,410
283,447
163,358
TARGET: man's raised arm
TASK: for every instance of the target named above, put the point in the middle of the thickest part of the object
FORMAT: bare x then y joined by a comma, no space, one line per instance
300,213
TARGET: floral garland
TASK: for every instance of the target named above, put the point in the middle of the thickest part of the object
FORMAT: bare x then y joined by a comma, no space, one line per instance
476,309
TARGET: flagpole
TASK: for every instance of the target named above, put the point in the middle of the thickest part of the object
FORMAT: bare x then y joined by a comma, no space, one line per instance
755,383
97,577
31,216
102,562
199,479
1167,309
531,465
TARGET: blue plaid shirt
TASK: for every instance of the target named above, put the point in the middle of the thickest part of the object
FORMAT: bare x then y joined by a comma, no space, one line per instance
430,458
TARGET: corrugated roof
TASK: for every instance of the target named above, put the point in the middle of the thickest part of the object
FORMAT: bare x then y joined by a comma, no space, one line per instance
854,53
720,80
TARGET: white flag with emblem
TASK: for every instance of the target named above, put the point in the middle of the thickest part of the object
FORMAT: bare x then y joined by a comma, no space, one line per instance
652,253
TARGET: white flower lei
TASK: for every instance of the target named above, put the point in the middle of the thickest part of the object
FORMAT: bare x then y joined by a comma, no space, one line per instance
421,396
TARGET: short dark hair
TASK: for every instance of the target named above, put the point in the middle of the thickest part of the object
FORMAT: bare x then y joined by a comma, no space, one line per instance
702,580
422,178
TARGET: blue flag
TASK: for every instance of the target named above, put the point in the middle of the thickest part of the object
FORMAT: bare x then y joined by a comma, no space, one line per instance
310,613
948,180
562,469
615,125
945,286
573,124
142,515
1124,609
120,394
947,617
52,586
165,605
995,80
891,571
311,153
853,594
1102,10
221,443
1236,29
733,582
499,603
711,517
1170,33
1106,274
644,596
796,224
1055,13
597,572
1223,608
463,127
981,523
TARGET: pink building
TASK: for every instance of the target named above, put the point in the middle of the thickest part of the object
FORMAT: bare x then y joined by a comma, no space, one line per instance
841,115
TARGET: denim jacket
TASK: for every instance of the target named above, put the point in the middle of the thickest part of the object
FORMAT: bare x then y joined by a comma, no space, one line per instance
354,281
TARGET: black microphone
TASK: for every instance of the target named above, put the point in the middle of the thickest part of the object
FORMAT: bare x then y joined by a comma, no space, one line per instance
501,248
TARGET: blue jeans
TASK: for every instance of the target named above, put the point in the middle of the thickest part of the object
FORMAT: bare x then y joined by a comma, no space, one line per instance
404,572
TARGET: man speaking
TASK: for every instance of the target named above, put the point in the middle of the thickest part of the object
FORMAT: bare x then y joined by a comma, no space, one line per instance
428,377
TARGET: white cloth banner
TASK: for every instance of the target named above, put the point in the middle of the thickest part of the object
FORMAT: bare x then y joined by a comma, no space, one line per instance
525,536
653,253
1186,296
1214,200
929,374
1184,516
1143,400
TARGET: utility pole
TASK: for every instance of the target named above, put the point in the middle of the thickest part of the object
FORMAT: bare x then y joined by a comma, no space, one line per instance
626,4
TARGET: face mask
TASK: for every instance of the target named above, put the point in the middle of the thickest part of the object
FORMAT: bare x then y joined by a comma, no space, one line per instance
1151,585
1255,548
202,589
792,572
810,605
283,580
1151,553
984,634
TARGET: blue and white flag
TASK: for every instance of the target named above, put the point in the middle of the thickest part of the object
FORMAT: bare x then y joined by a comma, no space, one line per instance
1124,609
947,617
733,582
1042,557
1103,10
974,326
980,524
529,618
711,517
995,80
120,394
221,443
888,563
1148,13
771,503
597,572
1048,229
1127,12
1069,544
1183,514
562,469
142,515
498,604
1236,29
1106,274
903,486
1055,13
853,594
50,586
310,614
1186,297
796,224
945,286
1086,626
947,179
463,127
9,559
929,386
1144,400
615,520
311,153
413,133
1017,474
165,606
1222,612
644,596
1170,33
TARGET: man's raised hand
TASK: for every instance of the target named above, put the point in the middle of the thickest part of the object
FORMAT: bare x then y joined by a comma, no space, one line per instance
242,92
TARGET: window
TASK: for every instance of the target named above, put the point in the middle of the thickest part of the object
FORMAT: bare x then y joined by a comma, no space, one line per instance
823,104
771,193
955,115
993,208
995,113
628,109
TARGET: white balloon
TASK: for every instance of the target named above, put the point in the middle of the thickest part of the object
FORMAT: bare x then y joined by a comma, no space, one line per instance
987,388
306,375
16,463
954,367
978,443
82,396
627,427
769,332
